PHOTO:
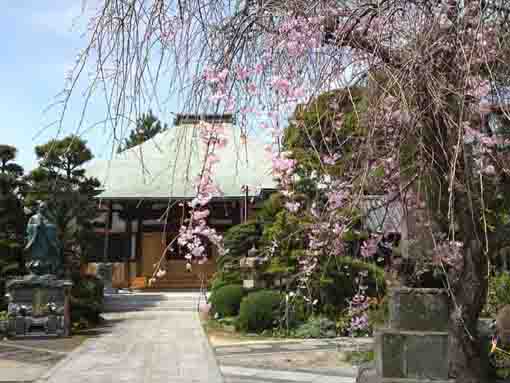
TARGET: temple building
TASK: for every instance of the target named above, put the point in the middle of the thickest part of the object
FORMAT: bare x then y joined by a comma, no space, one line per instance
144,195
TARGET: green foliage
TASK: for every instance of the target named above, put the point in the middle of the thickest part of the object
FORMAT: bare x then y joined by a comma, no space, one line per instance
317,327
360,357
238,240
338,281
266,214
11,263
499,294
86,299
325,126
3,324
286,230
60,182
259,311
227,300
12,217
222,278
147,126
379,313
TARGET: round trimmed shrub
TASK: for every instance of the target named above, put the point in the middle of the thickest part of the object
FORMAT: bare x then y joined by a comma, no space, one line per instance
227,299
259,310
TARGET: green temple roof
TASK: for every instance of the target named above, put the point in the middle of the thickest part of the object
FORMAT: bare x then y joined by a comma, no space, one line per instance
165,166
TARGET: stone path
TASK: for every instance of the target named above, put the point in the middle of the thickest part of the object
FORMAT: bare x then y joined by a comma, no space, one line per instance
25,364
153,338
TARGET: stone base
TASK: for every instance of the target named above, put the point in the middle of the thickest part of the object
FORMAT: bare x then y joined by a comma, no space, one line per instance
411,355
39,303
369,375
419,309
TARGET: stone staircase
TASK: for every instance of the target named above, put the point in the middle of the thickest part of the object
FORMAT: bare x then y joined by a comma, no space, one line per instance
177,278
152,301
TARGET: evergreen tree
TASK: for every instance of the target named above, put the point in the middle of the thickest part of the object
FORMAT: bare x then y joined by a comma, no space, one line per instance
147,126
60,182
12,218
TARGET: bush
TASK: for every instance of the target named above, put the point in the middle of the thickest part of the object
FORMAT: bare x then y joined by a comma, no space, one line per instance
259,310
3,323
338,283
3,300
227,300
222,279
238,240
499,294
317,327
86,299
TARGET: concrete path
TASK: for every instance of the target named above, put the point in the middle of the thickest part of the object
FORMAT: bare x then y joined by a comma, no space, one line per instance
153,338
269,362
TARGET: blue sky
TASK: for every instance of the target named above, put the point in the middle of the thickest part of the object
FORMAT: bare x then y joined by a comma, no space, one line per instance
40,41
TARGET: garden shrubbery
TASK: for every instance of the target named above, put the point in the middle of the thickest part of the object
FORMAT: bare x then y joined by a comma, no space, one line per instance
259,311
499,294
226,300
317,327
338,283
222,279
86,300
3,300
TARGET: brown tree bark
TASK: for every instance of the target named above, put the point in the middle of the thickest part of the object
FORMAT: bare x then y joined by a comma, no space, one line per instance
465,351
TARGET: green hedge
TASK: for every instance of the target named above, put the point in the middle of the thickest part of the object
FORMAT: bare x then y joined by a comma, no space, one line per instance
259,310
226,300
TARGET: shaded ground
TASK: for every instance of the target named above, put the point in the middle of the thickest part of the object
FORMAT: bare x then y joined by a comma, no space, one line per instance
24,360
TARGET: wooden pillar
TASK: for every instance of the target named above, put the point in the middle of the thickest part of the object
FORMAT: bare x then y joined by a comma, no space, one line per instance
245,204
108,227
138,244
129,234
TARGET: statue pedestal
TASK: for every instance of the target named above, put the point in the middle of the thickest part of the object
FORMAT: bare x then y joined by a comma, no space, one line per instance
39,304
105,273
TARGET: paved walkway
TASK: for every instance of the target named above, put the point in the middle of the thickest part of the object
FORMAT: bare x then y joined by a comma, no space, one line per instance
154,338
306,361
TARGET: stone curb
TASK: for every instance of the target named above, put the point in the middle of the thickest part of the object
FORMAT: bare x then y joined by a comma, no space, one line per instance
29,348
210,348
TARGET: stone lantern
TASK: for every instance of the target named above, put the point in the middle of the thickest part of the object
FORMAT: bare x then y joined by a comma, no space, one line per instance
249,266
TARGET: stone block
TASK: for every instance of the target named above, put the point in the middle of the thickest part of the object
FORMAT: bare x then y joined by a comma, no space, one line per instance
412,354
391,380
419,309
51,324
19,326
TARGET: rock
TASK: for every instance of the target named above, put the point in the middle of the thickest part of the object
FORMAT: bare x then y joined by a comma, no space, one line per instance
503,325
367,374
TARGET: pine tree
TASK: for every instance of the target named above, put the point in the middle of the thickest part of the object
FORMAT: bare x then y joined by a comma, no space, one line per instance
147,126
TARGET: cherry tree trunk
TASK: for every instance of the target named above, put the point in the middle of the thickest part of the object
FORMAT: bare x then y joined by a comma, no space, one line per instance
466,359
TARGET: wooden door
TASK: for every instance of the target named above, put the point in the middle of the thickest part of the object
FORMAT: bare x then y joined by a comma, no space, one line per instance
153,245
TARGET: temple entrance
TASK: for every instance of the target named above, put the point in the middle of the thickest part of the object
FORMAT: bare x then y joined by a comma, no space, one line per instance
153,245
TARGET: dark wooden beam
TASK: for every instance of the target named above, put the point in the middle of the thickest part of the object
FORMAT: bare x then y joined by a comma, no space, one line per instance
108,227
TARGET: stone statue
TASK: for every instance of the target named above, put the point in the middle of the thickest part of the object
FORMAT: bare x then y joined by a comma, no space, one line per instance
44,253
